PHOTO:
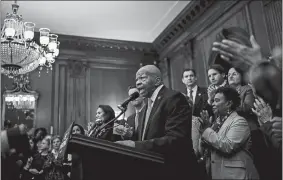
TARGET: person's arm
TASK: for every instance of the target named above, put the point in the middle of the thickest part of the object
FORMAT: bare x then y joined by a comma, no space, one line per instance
248,101
196,134
177,126
15,138
273,132
237,134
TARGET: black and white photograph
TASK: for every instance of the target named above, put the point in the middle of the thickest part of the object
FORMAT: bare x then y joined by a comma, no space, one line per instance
141,90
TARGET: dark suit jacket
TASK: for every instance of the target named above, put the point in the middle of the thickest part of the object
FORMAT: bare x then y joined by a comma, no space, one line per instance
131,122
168,132
200,101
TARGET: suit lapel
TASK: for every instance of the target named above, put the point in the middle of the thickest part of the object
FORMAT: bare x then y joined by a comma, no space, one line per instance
227,122
198,96
154,108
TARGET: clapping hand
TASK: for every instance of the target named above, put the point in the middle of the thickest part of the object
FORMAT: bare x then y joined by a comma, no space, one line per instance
33,171
126,130
210,91
262,110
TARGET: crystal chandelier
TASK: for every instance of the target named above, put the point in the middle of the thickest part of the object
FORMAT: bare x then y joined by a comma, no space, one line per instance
20,54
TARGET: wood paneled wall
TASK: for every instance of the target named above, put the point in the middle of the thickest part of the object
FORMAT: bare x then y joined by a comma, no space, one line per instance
263,19
78,94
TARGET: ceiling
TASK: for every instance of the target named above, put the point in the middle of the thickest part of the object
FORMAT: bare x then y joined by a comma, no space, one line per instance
139,21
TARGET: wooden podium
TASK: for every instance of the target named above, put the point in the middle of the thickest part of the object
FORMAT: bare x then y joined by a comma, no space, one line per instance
95,159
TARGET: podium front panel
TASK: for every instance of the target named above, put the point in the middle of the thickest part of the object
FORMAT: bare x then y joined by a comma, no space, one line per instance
99,159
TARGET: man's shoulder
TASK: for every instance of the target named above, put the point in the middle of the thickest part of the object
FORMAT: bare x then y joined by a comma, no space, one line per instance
202,89
171,94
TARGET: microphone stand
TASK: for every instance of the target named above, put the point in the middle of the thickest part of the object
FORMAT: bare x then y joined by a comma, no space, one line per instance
123,110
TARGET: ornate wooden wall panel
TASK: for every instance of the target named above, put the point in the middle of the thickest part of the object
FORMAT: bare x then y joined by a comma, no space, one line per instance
273,19
181,60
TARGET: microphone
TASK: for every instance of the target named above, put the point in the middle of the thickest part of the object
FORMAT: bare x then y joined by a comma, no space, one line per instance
132,97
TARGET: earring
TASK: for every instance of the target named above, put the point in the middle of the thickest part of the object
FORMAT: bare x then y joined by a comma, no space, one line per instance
228,111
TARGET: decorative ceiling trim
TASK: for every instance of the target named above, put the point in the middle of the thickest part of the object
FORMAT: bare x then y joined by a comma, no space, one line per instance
92,65
99,60
87,43
215,10
180,24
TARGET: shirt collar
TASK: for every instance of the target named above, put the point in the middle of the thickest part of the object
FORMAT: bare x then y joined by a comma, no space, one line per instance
138,111
194,89
155,93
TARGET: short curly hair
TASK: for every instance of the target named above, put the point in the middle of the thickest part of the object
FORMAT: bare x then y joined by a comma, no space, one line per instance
230,94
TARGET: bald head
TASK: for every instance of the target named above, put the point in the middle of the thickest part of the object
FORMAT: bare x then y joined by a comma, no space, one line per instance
150,70
148,78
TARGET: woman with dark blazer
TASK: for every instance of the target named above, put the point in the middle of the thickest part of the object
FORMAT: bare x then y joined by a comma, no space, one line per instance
236,80
102,128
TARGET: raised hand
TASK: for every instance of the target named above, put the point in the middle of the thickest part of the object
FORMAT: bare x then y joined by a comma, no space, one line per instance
205,119
237,54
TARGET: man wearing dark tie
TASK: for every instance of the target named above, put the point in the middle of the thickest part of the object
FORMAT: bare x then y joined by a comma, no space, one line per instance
165,125
134,118
197,95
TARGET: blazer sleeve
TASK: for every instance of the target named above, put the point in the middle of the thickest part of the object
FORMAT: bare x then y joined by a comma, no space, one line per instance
177,129
232,140
247,101
196,134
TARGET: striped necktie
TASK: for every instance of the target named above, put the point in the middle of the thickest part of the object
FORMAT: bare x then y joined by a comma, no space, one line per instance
137,120
191,96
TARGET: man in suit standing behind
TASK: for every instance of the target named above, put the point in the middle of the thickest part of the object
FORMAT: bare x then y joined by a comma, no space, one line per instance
138,105
197,95
165,125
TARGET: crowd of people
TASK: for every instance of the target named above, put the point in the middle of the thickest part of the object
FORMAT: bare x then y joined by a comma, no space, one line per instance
230,130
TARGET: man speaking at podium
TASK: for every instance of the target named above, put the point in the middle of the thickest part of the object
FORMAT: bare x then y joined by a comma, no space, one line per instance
164,125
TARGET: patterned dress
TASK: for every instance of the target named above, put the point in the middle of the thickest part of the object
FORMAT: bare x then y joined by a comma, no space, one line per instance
53,168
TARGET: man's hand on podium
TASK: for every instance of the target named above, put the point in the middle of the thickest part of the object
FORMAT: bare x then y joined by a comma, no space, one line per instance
126,143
